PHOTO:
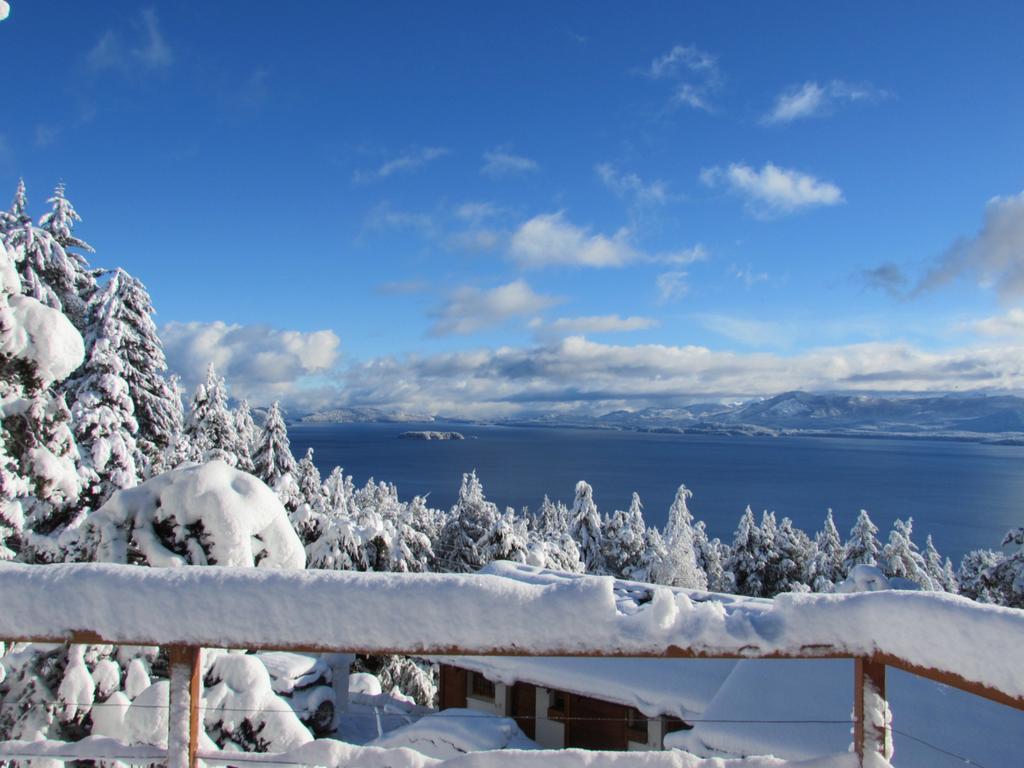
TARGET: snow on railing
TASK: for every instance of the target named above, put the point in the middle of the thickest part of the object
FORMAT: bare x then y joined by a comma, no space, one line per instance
975,647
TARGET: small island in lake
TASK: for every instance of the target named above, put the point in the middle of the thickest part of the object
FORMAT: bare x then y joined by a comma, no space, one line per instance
428,435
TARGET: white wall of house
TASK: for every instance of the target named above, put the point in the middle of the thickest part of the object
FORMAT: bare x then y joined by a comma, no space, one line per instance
550,734
499,705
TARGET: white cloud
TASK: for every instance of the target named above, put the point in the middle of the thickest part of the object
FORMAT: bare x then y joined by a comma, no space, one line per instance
550,239
469,309
994,256
682,58
500,162
696,73
259,362
383,217
477,211
812,99
773,190
672,286
403,163
753,333
146,50
630,184
579,373
1009,324
747,275
595,324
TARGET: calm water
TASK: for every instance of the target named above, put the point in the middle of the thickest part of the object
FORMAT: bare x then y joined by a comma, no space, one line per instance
965,495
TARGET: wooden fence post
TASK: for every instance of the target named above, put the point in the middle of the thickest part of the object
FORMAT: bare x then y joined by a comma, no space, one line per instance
183,718
871,729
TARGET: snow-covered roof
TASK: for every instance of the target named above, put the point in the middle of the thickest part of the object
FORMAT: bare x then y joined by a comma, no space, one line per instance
678,687
812,701
492,614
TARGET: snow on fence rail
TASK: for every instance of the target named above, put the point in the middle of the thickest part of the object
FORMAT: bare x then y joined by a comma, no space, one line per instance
978,648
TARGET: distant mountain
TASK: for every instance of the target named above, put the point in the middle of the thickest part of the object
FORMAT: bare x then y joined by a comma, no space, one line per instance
363,414
964,417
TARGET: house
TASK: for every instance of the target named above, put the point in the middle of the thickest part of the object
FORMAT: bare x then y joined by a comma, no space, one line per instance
589,703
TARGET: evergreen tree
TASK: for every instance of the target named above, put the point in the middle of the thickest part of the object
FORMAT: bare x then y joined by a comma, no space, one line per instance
103,409
941,573
471,519
247,435
862,548
120,317
19,206
622,545
902,558
792,554
338,489
977,576
827,567
507,539
711,556
210,428
654,555
1007,576
308,518
273,456
747,557
585,528
39,461
66,271
680,568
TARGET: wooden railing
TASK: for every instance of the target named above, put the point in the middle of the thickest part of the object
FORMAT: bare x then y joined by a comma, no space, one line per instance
872,734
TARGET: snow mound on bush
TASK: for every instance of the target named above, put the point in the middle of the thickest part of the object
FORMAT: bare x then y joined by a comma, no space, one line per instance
32,331
199,514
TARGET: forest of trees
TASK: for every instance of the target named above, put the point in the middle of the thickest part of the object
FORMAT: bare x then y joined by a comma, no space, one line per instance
88,409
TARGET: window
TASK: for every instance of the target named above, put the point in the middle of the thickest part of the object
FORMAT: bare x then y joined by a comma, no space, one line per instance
636,726
480,687
558,705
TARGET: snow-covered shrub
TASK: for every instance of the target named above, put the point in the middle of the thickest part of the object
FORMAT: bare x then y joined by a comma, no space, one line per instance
200,514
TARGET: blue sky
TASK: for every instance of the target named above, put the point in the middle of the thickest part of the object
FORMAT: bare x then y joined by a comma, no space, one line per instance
468,208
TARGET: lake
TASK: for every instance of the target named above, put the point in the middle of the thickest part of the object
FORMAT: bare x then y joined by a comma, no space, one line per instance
966,495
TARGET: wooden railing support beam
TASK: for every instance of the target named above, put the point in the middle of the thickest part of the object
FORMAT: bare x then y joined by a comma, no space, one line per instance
871,720
183,718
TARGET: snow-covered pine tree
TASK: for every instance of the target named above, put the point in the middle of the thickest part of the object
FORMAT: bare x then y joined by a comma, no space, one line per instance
272,460
210,428
470,520
623,541
39,482
121,314
508,539
74,287
585,528
940,572
1007,576
827,567
654,554
901,557
247,435
976,576
19,205
792,553
680,568
103,409
747,557
308,517
711,556
338,489
862,548
51,274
